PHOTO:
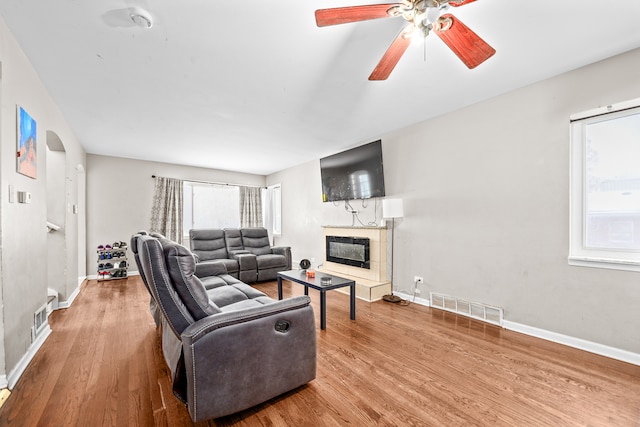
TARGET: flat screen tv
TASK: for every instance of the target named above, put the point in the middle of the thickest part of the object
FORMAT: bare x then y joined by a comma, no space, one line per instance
353,174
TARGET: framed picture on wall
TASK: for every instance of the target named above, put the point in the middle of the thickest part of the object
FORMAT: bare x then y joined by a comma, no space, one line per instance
27,144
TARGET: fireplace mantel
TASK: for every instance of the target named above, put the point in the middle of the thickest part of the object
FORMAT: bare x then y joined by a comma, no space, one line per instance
372,283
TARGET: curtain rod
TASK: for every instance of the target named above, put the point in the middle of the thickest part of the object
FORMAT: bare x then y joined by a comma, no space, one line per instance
217,183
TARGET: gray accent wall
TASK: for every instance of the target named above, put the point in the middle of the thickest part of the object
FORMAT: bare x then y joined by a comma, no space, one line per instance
486,203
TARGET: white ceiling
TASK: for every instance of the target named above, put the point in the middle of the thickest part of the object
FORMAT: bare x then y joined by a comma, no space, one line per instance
256,87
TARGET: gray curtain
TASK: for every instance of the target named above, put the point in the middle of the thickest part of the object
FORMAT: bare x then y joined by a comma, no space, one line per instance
166,213
250,207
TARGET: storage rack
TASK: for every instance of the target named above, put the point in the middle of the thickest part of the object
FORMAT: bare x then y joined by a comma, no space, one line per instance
112,261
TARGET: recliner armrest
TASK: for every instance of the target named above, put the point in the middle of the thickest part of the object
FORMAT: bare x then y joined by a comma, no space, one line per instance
247,267
247,262
234,254
220,320
285,251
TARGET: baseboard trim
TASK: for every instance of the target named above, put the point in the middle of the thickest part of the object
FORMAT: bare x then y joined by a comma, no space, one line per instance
3,381
580,344
17,372
67,303
411,298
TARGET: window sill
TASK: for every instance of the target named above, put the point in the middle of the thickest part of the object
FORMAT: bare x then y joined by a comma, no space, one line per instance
612,264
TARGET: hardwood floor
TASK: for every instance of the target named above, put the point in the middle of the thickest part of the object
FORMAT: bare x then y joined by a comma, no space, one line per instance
393,366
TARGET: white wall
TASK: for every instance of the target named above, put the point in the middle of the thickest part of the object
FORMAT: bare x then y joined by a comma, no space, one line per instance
56,213
23,246
120,196
486,200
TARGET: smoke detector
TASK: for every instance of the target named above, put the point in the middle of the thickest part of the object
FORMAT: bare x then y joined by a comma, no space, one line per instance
140,17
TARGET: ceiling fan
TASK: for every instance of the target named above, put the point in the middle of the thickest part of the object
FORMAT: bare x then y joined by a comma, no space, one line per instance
422,16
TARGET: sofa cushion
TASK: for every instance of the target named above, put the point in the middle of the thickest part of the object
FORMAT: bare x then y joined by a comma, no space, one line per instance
249,291
211,282
226,295
223,296
256,240
233,240
216,267
271,261
208,244
181,265
246,304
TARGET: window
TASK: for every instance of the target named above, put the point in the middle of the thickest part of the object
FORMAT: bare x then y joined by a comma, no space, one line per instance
218,206
210,206
605,187
272,212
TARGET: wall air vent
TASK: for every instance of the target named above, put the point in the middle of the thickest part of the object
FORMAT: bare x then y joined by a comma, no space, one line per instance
486,313
39,322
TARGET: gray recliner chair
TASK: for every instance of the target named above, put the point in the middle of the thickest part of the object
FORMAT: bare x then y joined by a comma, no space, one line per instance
229,347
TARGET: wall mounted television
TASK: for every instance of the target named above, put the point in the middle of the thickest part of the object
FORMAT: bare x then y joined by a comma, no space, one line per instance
353,174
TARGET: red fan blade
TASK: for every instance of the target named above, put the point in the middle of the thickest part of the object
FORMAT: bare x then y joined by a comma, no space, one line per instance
456,3
391,57
343,15
469,47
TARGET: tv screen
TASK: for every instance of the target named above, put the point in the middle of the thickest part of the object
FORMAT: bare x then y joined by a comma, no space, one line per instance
353,174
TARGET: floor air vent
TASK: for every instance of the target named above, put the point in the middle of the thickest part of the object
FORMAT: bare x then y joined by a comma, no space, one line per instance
475,310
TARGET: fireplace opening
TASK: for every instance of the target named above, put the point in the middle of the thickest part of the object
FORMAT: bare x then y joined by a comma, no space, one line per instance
348,250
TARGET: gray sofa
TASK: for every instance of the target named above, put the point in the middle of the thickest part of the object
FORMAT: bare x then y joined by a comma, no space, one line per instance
228,346
245,253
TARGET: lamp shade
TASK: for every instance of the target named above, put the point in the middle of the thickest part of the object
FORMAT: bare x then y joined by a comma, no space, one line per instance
392,208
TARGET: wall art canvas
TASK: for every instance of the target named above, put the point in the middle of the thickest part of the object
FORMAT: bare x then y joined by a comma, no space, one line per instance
27,144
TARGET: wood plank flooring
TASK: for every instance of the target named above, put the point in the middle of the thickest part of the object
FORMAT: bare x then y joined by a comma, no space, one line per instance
393,366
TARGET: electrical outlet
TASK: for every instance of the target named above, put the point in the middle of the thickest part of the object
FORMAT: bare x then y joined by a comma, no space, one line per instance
418,280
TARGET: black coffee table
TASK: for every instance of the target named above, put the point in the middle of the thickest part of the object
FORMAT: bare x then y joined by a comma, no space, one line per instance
300,276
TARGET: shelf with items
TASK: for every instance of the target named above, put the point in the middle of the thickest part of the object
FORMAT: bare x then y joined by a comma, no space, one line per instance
112,261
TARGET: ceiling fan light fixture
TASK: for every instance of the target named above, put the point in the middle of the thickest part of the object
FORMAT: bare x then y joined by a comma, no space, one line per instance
422,16
444,23
419,33
140,17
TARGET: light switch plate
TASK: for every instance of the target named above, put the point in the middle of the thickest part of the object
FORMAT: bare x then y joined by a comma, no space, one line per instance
24,197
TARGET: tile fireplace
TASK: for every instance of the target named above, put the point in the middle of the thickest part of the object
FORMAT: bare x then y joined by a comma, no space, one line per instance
358,253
